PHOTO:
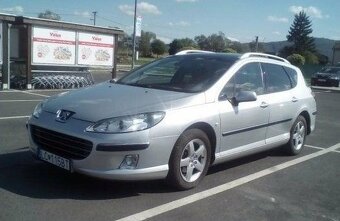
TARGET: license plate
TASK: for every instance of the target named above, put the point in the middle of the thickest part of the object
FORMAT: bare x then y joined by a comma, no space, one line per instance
54,159
321,80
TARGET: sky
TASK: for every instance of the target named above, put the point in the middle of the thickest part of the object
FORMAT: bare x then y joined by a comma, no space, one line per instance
240,20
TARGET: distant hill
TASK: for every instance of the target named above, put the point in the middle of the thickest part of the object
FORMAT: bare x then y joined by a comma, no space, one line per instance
323,46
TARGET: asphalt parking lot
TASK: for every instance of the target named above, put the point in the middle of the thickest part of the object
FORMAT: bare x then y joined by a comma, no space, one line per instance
265,186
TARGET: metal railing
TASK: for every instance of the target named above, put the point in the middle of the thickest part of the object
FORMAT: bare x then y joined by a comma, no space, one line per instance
61,79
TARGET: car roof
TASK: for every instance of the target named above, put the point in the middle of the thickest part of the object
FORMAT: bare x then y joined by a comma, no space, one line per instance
232,56
226,56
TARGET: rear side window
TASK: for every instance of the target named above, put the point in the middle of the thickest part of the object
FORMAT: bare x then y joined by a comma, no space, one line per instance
292,75
276,78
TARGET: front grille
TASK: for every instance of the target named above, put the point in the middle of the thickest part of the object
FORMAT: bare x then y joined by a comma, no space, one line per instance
61,144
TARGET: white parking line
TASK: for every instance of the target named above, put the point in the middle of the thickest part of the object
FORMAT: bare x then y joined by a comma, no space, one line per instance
41,95
52,90
14,117
5,101
320,148
314,147
224,187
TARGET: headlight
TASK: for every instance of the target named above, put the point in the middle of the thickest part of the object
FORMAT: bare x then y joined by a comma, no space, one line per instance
127,123
38,109
334,77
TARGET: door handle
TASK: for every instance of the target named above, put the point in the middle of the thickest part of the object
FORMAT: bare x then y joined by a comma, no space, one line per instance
294,99
264,105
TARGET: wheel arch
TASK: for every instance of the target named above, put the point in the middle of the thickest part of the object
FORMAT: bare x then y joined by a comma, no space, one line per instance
305,114
210,132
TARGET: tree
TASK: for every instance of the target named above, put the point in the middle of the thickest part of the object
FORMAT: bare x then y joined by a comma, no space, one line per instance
310,57
175,46
299,34
202,42
323,59
217,42
145,43
49,15
124,48
238,47
180,44
158,47
286,51
188,43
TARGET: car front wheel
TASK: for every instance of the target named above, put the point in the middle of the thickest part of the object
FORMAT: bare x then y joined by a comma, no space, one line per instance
189,160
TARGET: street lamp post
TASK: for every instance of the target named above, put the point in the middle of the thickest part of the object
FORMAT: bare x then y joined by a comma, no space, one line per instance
134,37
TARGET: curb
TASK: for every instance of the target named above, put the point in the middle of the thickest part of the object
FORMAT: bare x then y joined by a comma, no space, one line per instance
335,89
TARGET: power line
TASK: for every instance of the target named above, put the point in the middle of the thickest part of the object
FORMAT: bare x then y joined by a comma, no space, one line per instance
112,21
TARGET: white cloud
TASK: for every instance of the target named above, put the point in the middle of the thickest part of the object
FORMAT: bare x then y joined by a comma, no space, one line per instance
84,14
142,8
233,39
165,39
180,24
147,8
277,19
186,0
15,10
127,9
276,33
311,11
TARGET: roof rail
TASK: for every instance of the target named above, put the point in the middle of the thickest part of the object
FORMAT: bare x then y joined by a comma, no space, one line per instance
254,54
192,52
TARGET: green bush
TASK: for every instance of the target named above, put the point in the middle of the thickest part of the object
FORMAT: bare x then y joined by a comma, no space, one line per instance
230,50
296,59
310,58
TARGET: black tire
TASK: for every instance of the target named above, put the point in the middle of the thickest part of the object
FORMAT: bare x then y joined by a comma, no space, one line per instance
198,160
298,134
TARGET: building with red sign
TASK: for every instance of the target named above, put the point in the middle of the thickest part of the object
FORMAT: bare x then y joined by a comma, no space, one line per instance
34,51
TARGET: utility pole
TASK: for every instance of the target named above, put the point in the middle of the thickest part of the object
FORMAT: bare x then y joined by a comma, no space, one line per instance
94,18
134,37
256,43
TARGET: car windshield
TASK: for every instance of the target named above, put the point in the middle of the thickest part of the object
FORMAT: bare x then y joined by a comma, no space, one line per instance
331,70
184,73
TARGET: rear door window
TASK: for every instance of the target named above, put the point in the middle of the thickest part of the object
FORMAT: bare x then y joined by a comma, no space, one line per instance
276,78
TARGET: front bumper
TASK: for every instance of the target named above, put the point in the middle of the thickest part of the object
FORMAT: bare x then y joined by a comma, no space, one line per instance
324,82
105,163
151,173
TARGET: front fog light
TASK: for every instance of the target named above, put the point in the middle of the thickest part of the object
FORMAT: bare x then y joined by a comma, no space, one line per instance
129,162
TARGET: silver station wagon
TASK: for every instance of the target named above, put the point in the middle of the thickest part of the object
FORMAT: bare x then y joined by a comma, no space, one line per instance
175,117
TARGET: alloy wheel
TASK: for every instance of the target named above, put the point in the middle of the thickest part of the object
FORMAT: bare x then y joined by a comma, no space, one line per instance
193,160
299,135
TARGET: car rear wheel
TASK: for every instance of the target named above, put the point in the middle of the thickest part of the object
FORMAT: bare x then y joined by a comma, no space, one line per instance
298,134
189,160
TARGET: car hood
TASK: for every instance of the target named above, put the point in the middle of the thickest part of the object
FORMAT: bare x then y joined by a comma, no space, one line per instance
108,100
326,75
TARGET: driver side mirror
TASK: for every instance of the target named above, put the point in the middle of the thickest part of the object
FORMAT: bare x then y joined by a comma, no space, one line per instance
243,96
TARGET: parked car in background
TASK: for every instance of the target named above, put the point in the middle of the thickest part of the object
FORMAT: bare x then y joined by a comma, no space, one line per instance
328,76
175,117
